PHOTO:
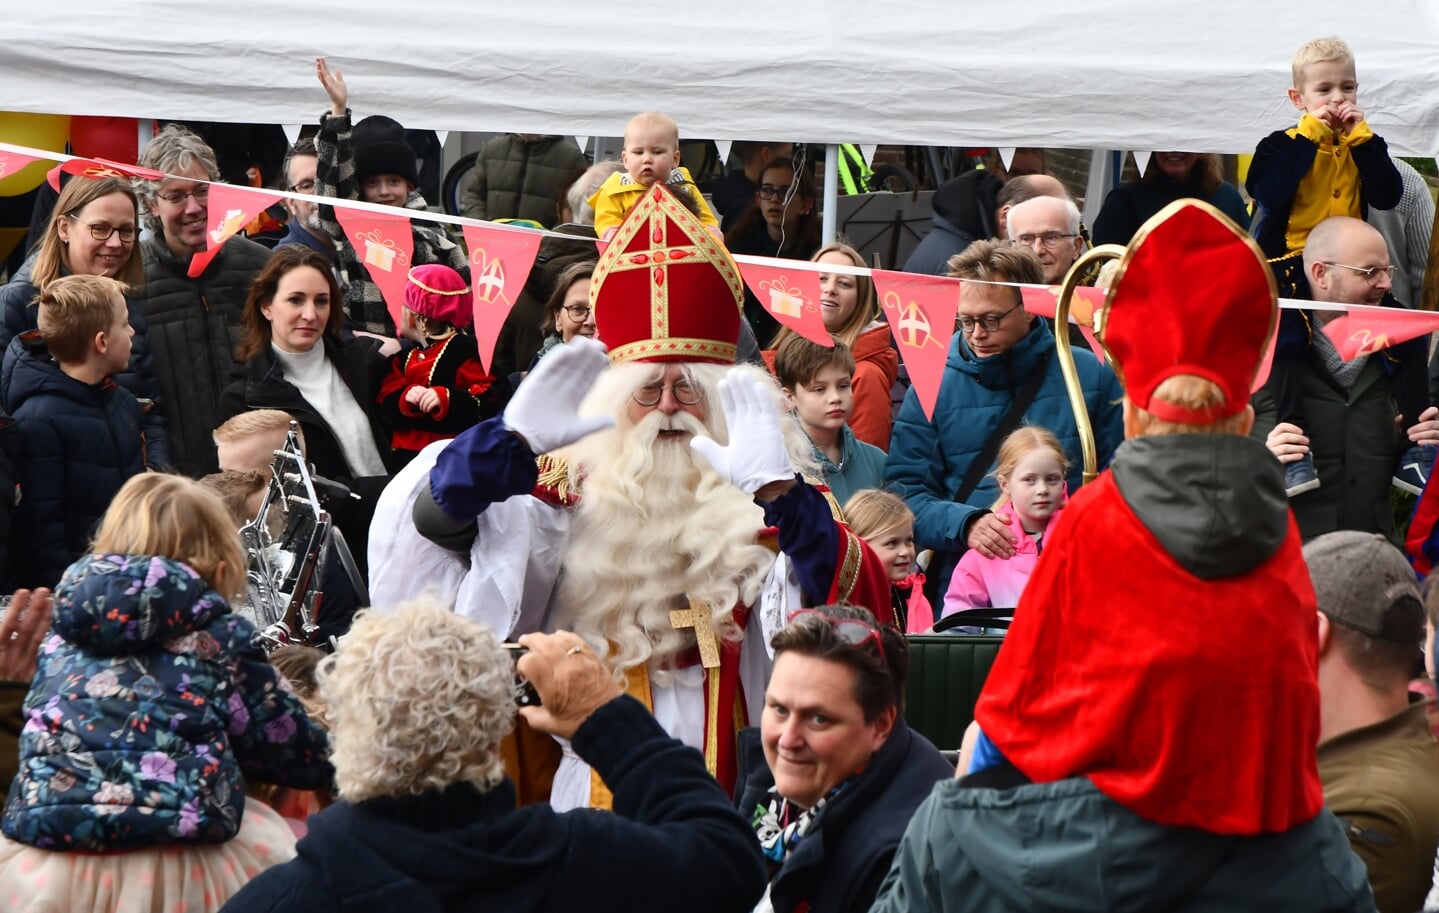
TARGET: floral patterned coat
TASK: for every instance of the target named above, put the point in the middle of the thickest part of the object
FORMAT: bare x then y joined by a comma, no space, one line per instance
148,703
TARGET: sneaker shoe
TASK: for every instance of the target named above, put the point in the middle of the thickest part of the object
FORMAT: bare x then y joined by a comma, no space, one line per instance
1300,476
1415,465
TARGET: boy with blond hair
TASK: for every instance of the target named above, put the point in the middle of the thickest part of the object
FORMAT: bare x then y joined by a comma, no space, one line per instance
1330,164
651,155
80,434
818,383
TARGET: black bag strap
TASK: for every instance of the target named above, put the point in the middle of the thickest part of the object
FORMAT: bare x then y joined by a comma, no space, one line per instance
1023,399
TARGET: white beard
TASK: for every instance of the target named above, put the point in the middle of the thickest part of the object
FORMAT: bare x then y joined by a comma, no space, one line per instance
656,529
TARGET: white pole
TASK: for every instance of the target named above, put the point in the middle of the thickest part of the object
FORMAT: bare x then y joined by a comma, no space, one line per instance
828,226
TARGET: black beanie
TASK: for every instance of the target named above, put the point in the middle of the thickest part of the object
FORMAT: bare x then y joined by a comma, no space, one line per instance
380,148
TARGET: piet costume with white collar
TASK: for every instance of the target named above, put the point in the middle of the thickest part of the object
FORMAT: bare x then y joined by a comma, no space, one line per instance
664,292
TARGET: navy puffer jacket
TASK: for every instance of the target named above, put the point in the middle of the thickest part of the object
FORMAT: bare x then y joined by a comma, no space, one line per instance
18,314
78,443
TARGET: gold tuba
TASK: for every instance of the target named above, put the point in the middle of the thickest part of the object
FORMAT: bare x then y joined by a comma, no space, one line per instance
1084,269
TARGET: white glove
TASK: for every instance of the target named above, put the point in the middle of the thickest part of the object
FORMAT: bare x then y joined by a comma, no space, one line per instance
544,410
756,455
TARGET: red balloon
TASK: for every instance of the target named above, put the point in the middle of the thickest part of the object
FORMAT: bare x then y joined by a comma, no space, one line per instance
113,138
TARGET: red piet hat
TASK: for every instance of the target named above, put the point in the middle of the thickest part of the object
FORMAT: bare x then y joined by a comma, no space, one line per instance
438,292
665,289
1193,296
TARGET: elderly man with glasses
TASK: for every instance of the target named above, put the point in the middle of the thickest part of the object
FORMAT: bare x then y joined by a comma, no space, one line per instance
643,491
1049,226
1001,372
1367,423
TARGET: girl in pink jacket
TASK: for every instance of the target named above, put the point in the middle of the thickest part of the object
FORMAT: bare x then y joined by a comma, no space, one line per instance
1030,471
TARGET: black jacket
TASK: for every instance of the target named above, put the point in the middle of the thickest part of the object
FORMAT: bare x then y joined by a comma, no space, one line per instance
963,213
78,443
18,315
260,384
839,866
672,843
194,327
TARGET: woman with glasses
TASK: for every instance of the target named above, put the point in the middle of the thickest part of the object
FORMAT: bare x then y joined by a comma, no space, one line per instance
568,313
94,232
833,774
783,223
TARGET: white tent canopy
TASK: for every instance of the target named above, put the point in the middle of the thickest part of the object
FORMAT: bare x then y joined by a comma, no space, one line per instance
1119,74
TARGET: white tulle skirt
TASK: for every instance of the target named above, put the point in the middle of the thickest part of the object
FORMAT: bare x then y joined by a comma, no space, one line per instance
194,878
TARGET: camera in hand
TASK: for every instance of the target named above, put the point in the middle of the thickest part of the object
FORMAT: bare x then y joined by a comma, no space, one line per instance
526,695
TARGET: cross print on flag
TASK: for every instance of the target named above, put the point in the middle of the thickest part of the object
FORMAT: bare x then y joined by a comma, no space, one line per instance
921,312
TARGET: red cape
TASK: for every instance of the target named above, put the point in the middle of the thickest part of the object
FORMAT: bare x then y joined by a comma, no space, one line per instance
1191,702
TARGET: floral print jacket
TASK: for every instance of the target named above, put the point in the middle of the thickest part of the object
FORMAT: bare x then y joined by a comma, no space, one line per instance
149,702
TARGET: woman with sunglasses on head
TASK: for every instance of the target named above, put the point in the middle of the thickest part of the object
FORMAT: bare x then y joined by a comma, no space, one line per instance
94,231
784,222
833,740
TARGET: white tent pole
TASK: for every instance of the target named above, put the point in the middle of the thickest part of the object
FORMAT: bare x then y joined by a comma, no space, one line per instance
828,226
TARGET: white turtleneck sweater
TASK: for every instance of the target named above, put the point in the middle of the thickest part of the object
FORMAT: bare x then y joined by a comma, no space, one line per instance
320,383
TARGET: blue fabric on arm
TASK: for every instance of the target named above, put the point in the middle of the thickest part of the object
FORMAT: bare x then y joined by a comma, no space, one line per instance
985,755
809,536
482,466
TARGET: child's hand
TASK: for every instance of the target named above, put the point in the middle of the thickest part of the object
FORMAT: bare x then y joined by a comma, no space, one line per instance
424,399
1347,115
334,83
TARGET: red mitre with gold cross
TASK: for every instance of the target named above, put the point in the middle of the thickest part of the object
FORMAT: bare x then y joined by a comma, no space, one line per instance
665,289
1193,296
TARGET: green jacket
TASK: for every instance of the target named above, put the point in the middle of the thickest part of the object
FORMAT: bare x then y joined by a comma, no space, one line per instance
1067,847
1355,442
1382,782
516,178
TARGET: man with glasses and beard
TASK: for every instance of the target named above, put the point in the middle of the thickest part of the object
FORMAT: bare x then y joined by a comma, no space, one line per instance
304,227
646,498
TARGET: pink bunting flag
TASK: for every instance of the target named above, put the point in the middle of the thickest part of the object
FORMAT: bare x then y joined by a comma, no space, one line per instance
1043,301
500,262
231,208
791,296
104,168
385,244
11,162
1366,329
921,312
1262,375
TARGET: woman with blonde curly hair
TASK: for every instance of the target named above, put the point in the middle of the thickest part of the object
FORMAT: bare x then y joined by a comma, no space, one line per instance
419,699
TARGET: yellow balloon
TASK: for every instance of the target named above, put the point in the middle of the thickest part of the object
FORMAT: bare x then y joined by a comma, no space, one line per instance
38,131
